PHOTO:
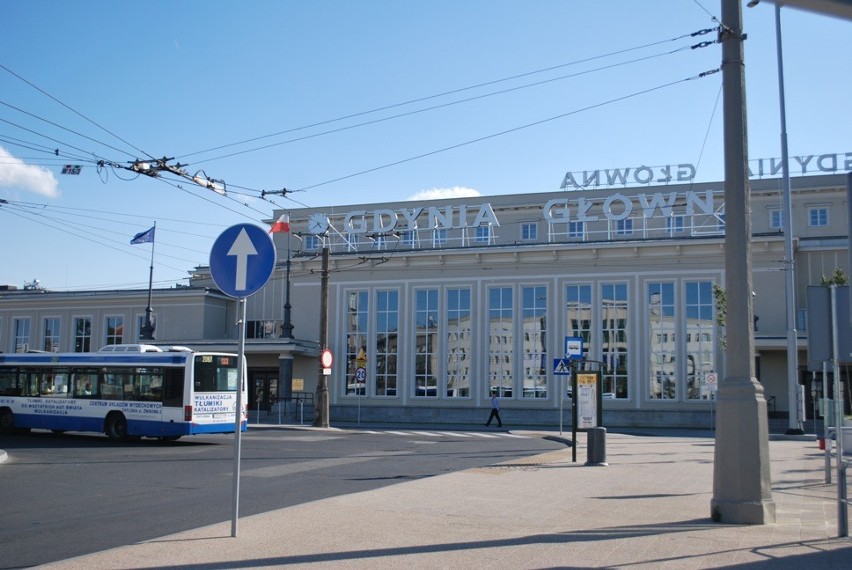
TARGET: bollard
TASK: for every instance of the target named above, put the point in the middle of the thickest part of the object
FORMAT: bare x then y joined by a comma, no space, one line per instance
596,446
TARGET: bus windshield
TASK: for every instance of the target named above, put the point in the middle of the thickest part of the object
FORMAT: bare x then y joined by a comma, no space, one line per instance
215,373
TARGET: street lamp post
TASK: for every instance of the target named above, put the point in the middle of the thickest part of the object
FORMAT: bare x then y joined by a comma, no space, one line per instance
795,420
285,361
794,425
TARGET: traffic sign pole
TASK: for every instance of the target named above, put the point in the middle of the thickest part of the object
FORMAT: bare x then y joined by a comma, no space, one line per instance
242,260
238,421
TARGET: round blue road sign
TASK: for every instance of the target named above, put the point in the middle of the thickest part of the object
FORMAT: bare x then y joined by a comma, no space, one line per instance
242,260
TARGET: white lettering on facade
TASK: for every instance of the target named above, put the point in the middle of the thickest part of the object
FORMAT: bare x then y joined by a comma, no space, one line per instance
355,222
685,172
657,201
627,207
623,176
385,221
619,207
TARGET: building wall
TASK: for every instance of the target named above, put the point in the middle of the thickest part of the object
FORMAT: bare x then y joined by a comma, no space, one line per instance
652,253
454,299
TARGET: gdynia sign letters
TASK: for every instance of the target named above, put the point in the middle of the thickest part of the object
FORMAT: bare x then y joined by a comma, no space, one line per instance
643,175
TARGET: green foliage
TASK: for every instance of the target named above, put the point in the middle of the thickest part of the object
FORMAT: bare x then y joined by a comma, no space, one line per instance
837,278
721,302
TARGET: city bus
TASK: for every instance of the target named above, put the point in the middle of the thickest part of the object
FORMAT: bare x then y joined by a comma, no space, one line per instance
123,391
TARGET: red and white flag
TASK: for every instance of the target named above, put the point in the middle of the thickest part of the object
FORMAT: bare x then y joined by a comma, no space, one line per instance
282,225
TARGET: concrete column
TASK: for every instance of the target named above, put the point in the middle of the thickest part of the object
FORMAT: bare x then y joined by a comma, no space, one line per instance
742,488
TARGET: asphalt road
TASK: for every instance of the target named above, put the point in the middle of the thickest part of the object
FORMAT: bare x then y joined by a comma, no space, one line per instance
72,494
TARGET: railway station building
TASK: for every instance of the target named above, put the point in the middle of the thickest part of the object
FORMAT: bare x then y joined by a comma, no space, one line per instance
435,305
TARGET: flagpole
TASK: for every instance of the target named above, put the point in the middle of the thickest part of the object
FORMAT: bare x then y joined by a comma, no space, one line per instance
147,332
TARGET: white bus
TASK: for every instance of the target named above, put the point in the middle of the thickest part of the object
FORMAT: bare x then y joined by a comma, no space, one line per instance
124,391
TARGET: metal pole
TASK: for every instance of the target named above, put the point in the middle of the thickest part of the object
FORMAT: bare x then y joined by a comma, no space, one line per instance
825,411
238,421
285,361
795,421
561,399
842,512
147,332
322,405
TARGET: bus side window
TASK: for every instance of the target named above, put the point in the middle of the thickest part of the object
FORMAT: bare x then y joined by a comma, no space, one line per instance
173,383
84,383
31,381
8,383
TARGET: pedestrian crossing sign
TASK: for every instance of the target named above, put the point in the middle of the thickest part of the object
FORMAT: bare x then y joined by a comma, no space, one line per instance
561,366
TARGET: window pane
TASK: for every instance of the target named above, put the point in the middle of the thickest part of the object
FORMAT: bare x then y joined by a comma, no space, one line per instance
662,340
387,317
458,343
500,341
535,342
614,339
426,341
356,339
700,338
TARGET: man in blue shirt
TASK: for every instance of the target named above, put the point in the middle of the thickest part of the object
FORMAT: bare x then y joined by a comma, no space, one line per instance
495,411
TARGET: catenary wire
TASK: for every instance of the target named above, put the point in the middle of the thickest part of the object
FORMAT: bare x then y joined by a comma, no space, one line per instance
42,91
504,132
33,216
57,125
443,94
441,106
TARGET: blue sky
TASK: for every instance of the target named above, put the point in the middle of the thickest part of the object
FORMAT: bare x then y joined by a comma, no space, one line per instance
193,80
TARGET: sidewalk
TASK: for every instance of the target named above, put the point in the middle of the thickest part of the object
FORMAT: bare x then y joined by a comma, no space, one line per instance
649,508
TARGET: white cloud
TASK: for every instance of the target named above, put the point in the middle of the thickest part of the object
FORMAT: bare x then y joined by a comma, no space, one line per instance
14,173
444,193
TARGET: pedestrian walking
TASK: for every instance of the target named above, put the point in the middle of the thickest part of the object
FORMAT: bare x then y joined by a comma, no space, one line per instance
495,411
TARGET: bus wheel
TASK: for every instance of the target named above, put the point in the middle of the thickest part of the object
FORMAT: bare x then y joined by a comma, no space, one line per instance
7,420
116,426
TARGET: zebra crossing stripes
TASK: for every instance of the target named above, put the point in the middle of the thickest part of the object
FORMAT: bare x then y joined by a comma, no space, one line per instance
439,434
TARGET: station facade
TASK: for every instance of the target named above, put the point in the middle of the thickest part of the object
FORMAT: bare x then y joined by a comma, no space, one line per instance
435,305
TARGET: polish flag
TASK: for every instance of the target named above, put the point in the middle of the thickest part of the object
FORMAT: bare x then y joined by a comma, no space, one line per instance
282,225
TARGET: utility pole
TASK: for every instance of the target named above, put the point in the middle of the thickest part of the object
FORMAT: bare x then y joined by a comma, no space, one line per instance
321,406
742,487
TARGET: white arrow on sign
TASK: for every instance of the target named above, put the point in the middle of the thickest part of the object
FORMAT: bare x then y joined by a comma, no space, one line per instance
242,248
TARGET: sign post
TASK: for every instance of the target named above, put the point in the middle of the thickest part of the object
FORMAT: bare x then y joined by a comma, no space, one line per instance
241,262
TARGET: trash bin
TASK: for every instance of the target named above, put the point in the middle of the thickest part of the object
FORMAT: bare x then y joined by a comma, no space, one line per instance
596,446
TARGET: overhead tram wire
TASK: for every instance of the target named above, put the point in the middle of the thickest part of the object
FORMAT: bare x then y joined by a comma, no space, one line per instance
442,94
29,206
707,132
32,217
93,231
180,187
46,94
55,152
74,210
451,103
441,106
512,130
57,125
